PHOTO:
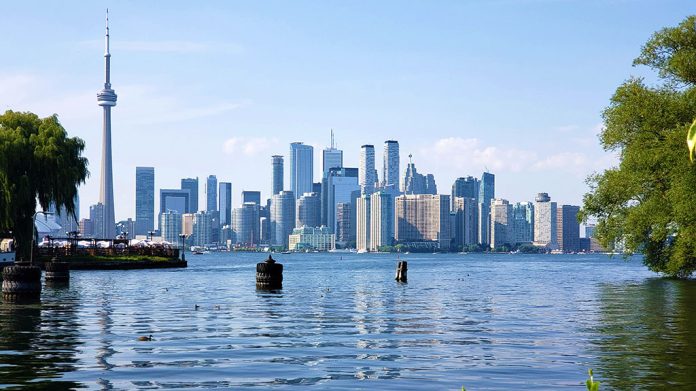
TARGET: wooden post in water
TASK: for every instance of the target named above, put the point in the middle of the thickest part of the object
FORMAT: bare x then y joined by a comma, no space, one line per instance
269,274
401,271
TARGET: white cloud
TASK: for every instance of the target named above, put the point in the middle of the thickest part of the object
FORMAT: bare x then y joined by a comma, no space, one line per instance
467,154
248,146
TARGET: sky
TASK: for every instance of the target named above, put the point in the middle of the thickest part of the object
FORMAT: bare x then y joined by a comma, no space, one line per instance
515,87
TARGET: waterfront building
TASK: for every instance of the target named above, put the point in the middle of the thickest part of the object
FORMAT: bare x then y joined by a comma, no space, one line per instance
467,187
301,168
465,225
501,223
523,222
170,227
191,184
311,238
96,216
211,193
362,228
486,195
423,220
187,224
331,157
246,224
367,174
251,196
277,184
177,200
381,220
264,229
282,218
308,211
340,184
568,228
545,226
390,169
225,203
106,98
86,228
416,183
344,229
201,235
144,200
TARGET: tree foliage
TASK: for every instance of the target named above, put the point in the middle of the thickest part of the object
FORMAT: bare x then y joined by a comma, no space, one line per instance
38,163
647,203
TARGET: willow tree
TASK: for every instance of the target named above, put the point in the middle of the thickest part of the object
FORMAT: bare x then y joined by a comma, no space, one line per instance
648,203
38,163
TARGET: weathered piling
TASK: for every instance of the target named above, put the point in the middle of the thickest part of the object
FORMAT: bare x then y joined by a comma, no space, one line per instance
57,271
401,271
21,281
269,274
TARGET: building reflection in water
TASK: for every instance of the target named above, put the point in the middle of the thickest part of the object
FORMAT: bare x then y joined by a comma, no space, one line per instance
647,335
39,342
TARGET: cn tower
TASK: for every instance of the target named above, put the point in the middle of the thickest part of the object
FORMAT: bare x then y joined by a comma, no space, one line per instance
106,98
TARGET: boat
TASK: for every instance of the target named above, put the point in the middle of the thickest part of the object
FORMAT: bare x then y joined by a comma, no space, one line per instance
7,254
285,252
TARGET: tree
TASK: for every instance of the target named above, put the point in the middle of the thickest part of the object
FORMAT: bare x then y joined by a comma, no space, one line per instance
38,162
647,202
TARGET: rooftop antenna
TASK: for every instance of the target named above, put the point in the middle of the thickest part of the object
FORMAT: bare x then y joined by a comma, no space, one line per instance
332,139
410,158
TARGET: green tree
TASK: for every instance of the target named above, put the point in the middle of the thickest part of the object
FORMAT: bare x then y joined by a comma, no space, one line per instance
38,162
647,202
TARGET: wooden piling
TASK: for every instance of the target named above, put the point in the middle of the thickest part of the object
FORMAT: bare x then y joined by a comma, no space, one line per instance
401,271
269,274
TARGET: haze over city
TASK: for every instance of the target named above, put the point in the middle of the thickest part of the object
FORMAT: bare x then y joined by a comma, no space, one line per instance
516,87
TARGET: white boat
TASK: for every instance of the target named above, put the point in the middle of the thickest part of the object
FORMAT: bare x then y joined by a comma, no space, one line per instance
7,254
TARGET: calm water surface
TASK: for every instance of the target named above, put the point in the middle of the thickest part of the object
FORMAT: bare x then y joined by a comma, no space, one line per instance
506,322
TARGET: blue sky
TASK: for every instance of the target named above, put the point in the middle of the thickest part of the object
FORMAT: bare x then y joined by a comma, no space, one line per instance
218,87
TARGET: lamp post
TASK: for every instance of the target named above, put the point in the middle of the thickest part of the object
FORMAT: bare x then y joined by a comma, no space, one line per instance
33,229
183,246
151,234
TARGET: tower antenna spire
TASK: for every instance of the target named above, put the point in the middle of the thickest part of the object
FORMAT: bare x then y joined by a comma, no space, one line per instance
332,139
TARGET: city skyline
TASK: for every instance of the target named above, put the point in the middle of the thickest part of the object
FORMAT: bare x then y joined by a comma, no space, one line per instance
551,148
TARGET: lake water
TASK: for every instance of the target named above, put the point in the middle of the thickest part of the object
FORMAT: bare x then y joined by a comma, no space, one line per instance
505,322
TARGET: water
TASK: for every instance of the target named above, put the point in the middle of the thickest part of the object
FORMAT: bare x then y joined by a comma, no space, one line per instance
341,322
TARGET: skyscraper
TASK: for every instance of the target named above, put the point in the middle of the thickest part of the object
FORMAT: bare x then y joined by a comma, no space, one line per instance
176,200
486,194
246,224
225,206
277,162
466,221
301,168
191,184
282,218
545,222
331,157
251,196
367,175
170,227
211,193
96,216
381,220
362,229
466,187
308,211
390,170
344,230
201,234
106,98
416,183
423,218
341,183
501,223
144,200
523,221
568,228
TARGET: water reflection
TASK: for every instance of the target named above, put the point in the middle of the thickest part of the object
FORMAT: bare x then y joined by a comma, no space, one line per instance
647,337
39,341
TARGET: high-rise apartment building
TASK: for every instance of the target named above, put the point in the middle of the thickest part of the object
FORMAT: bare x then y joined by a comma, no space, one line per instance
201,235
467,187
486,195
381,220
465,221
344,230
367,174
301,168
523,222
501,223
340,184
170,227
191,184
282,217
277,184
390,170
225,205
211,193
423,218
362,229
144,200
96,216
568,228
545,227
246,224
308,212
